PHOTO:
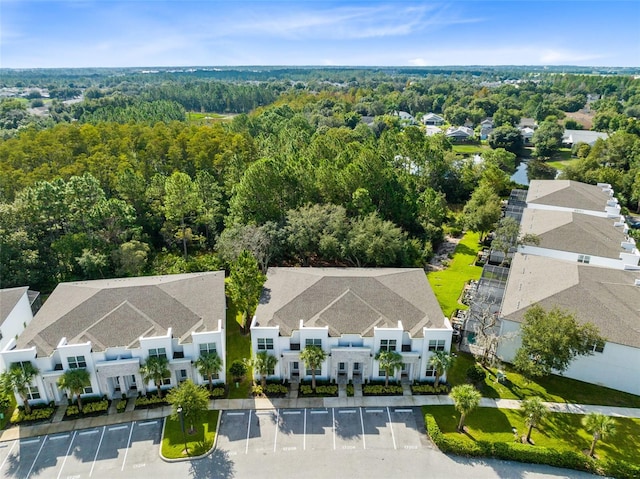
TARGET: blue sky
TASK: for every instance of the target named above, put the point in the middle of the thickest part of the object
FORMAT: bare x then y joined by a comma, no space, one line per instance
129,33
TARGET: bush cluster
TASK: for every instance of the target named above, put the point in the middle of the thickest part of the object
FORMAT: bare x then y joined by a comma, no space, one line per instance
89,407
381,390
217,392
276,390
350,390
429,388
36,414
122,405
321,390
150,401
525,453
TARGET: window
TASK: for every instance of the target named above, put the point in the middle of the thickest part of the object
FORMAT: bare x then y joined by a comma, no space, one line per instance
313,342
22,364
436,344
387,345
598,347
583,258
33,392
265,343
88,390
430,372
158,353
76,362
182,375
207,348
166,381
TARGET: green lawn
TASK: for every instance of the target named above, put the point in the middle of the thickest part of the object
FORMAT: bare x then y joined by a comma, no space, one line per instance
470,149
557,431
449,283
552,389
238,347
198,443
561,164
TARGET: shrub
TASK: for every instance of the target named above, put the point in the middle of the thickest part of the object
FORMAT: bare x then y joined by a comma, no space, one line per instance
476,374
97,406
381,390
122,405
429,388
322,390
217,392
257,390
150,401
276,390
38,413
620,469
350,390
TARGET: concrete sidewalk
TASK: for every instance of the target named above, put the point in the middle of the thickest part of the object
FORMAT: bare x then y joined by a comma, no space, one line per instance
21,432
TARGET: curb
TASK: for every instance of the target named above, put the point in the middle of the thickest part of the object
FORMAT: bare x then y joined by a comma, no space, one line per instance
190,458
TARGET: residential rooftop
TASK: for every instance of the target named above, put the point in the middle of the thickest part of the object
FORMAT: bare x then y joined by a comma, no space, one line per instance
608,298
568,194
117,312
583,136
574,232
349,300
9,298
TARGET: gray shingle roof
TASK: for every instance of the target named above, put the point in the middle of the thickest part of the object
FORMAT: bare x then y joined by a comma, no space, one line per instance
605,297
348,300
9,297
567,194
574,232
115,312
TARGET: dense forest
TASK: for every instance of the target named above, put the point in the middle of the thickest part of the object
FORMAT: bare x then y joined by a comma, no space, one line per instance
124,172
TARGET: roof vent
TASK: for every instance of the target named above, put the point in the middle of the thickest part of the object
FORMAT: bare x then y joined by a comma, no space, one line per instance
637,282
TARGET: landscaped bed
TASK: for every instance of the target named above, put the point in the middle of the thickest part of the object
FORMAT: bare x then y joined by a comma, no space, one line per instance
323,389
198,443
151,401
39,413
429,388
90,407
272,390
560,440
379,389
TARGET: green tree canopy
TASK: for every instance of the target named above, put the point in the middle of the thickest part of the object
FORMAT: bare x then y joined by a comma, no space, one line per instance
194,401
18,379
551,340
600,426
74,381
465,399
264,363
389,362
313,357
245,285
482,211
441,361
534,411
209,365
155,369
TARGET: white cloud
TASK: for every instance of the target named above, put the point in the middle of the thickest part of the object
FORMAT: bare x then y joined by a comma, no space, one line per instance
418,62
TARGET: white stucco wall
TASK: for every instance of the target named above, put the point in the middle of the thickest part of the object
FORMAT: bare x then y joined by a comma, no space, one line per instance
17,320
613,263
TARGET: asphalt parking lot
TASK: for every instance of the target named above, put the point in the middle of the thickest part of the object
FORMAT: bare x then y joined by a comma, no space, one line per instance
117,450
323,429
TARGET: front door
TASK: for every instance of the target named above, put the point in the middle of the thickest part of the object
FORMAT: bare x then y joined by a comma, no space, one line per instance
295,369
342,368
406,370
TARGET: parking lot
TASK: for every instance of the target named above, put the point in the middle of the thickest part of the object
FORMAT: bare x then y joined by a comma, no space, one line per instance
322,429
117,450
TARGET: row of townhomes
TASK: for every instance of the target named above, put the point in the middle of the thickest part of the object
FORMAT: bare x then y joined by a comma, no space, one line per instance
585,263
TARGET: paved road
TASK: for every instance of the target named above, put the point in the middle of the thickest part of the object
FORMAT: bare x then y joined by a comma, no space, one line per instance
374,442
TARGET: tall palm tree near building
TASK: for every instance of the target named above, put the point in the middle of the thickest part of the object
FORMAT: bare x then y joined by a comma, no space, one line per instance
600,426
156,369
389,362
534,411
441,362
465,399
209,365
264,364
18,380
74,381
313,357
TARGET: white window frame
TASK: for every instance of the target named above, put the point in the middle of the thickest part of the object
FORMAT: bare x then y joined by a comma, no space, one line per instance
208,348
313,342
584,258
437,344
158,353
430,372
388,345
265,344
76,363
33,393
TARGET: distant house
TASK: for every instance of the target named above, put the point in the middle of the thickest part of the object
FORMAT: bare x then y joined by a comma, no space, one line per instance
486,127
527,123
431,119
459,133
405,118
17,307
527,135
432,130
571,137
352,314
111,327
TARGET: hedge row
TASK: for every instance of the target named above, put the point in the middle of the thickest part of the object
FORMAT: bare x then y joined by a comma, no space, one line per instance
381,390
321,390
524,453
217,392
88,408
36,414
150,401
122,405
429,389
271,390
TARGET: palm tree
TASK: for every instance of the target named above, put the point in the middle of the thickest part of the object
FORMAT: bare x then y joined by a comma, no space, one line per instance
441,361
208,366
389,362
264,364
155,369
74,381
600,426
465,398
313,357
534,411
18,379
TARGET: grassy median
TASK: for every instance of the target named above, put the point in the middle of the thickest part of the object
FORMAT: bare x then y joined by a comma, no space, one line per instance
198,442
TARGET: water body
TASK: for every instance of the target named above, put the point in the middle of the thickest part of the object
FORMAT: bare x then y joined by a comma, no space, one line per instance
520,176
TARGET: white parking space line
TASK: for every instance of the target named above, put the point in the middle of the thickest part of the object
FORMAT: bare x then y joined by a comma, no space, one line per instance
64,461
333,414
348,411
391,427
128,446
148,423
235,414
104,428
30,441
319,412
61,436
84,433
246,450
402,410
304,432
116,428
364,444
373,410
37,455
5,459
275,437
291,412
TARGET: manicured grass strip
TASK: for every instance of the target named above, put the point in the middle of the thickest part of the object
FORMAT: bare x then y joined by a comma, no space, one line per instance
562,432
238,347
562,164
470,149
552,388
449,283
198,443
